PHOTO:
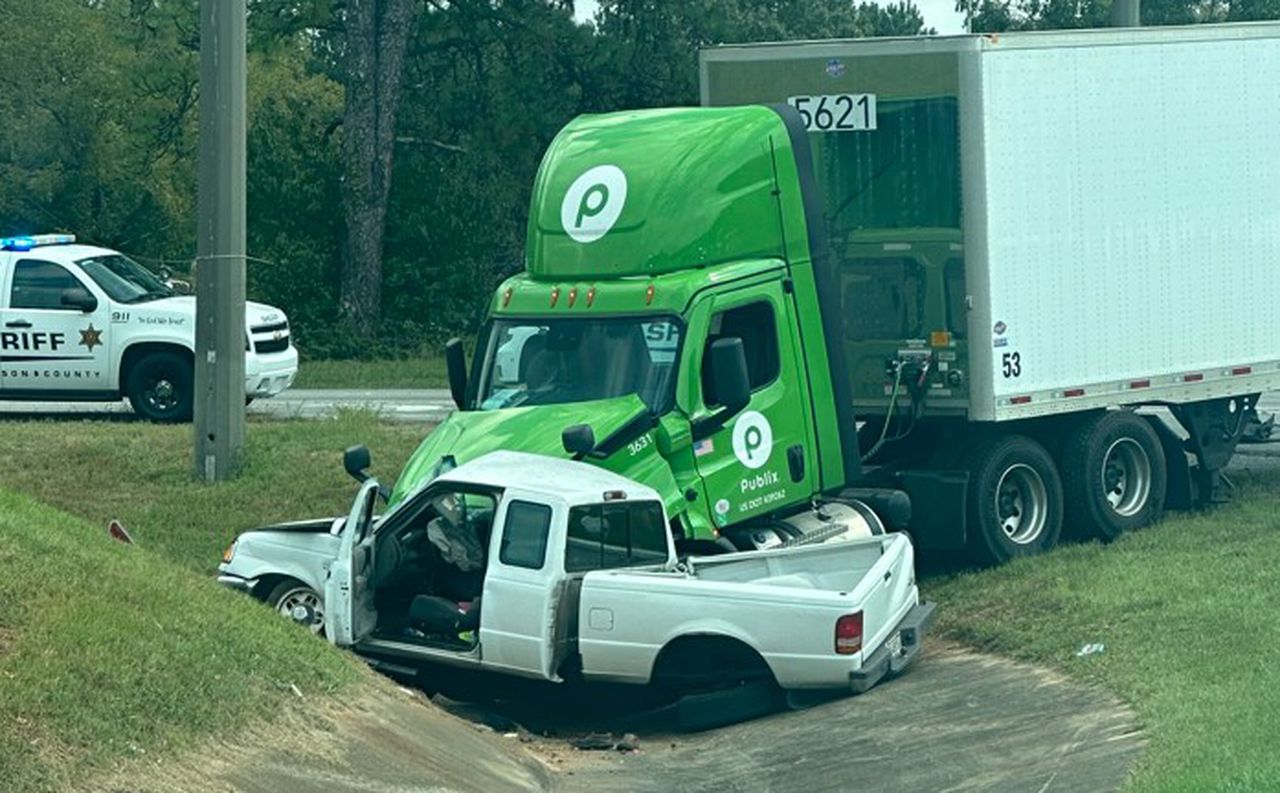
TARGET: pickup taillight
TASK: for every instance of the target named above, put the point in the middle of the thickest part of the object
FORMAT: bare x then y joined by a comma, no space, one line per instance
849,634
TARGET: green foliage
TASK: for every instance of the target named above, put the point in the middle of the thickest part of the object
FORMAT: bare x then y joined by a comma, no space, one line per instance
98,114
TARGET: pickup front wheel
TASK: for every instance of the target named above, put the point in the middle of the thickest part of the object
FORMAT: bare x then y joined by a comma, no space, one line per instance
161,387
1015,500
298,602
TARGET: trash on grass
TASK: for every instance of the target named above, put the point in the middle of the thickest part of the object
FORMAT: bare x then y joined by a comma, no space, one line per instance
1091,649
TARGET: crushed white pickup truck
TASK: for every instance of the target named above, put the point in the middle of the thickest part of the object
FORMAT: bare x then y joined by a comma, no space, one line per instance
558,570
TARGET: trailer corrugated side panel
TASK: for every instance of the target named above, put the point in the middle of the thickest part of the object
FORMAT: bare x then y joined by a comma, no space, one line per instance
1122,198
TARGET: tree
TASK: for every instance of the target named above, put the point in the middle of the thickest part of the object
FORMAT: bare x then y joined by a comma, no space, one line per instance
377,32
993,16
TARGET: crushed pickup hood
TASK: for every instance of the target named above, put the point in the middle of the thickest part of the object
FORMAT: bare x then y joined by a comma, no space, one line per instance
315,525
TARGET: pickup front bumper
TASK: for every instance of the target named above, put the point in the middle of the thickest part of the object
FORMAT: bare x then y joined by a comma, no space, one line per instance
883,661
237,583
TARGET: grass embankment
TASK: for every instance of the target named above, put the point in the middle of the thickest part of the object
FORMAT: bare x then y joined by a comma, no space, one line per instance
419,372
1187,612
111,653
141,474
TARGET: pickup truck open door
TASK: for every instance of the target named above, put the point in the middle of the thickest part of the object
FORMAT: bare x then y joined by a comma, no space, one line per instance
349,615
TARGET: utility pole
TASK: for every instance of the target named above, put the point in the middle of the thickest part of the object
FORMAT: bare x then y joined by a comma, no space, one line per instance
220,247
1126,13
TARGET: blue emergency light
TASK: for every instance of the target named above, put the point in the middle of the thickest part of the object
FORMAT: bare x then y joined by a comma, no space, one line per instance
28,242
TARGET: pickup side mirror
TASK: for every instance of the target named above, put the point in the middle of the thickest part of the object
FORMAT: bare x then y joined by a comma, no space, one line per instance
579,440
355,460
731,383
78,297
455,359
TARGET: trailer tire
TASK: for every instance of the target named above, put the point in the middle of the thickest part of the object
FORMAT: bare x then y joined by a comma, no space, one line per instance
1015,500
1114,476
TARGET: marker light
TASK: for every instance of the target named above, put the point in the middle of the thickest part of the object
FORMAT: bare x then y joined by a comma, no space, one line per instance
615,495
506,297
648,295
573,296
591,296
555,295
26,243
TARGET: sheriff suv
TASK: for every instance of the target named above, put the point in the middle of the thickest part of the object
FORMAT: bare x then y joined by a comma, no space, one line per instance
82,323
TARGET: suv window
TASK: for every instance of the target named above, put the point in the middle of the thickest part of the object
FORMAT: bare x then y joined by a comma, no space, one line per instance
754,324
39,284
524,536
623,534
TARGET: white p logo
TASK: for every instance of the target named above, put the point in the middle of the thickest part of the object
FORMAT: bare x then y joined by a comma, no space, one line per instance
593,203
752,439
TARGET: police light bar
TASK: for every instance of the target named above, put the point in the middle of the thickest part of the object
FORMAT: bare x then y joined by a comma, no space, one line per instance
34,241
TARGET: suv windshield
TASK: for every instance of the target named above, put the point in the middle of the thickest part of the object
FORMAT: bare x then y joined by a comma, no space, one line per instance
123,279
548,362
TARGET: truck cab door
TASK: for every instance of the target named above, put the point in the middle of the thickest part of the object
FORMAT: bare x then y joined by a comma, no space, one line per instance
522,598
53,329
764,457
349,615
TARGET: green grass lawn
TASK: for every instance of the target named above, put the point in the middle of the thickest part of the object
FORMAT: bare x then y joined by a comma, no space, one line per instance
1188,613
420,372
111,653
141,474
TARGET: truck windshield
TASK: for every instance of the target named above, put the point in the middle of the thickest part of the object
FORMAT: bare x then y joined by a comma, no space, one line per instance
549,362
123,279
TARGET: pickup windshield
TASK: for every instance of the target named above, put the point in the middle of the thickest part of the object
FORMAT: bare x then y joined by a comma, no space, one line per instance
548,362
123,279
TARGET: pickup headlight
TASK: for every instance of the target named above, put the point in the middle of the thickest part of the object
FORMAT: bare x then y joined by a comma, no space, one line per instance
230,553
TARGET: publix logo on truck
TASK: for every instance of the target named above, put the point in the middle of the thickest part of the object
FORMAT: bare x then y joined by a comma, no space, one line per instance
593,203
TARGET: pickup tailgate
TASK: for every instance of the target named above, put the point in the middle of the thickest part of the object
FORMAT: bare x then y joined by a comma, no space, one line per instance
783,603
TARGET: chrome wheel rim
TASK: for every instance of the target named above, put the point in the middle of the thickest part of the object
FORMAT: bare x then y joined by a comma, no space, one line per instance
1021,504
303,606
1126,477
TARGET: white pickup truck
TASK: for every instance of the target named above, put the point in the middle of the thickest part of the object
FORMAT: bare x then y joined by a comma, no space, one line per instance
83,323
558,570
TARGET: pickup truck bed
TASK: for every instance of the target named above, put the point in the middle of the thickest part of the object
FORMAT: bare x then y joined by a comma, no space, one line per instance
790,598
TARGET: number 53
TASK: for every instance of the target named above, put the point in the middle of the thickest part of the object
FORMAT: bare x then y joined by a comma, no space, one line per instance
1011,364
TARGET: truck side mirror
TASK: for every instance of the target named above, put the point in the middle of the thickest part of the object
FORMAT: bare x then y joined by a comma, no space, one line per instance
455,359
79,298
730,382
579,440
356,460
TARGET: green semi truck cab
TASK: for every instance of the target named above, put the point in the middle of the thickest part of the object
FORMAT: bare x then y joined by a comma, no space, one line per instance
670,303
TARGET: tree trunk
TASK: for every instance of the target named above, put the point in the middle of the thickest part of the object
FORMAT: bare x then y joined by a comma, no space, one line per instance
377,32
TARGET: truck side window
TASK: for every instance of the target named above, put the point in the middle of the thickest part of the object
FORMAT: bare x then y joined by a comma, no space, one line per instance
603,536
38,284
524,537
754,324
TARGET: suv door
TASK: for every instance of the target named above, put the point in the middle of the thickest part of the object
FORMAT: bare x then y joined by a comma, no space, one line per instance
761,459
46,342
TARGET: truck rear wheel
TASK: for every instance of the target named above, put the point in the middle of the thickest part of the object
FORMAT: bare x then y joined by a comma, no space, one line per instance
1114,475
1015,500
161,387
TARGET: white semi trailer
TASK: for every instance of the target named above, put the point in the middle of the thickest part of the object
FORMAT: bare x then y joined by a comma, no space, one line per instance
1035,234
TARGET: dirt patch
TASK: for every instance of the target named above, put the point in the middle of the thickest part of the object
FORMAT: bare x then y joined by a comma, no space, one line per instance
389,740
